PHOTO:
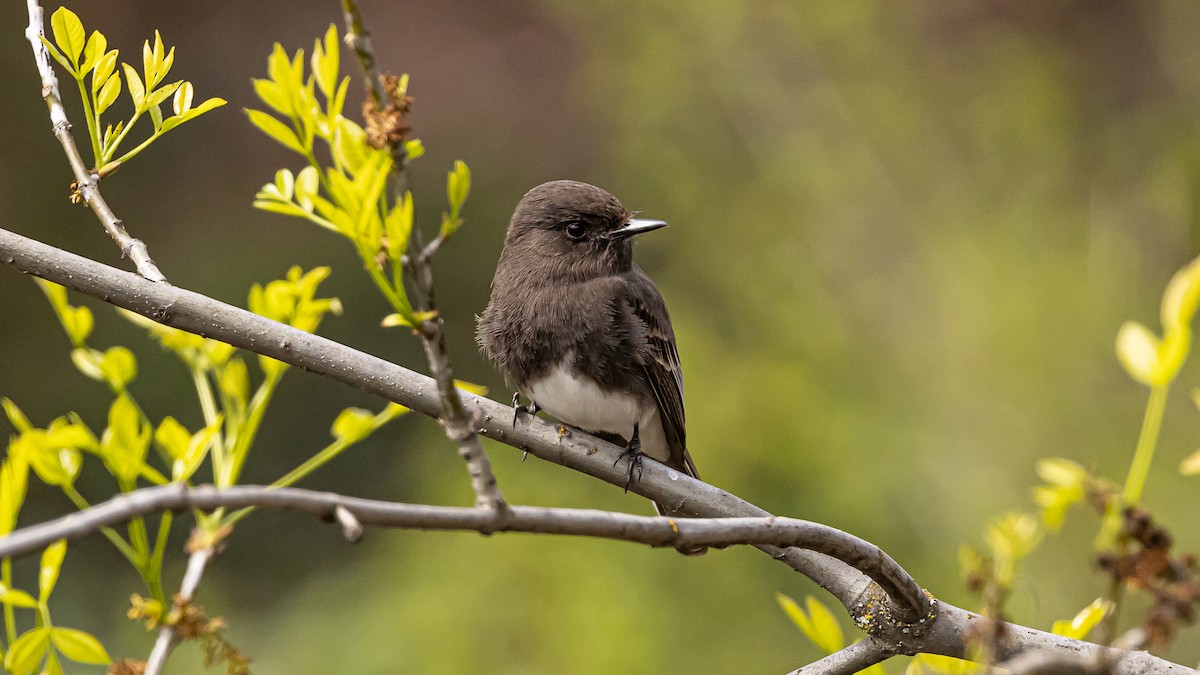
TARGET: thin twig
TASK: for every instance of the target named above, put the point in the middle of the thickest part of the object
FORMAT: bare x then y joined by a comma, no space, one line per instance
167,637
195,313
652,530
87,183
851,659
455,420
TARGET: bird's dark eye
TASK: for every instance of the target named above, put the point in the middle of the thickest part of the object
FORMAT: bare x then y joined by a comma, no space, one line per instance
575,230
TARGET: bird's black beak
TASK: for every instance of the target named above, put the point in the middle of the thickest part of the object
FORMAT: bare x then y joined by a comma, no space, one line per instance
636,226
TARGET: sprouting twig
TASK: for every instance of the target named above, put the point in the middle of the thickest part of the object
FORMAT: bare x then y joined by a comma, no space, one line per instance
86,185
454,417
167,637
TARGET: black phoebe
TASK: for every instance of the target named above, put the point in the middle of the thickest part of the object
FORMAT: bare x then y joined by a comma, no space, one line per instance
581,330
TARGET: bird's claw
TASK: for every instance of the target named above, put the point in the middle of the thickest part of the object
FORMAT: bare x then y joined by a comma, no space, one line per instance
518,409
633,451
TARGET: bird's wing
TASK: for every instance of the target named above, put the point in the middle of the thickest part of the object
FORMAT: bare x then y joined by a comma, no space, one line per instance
661,365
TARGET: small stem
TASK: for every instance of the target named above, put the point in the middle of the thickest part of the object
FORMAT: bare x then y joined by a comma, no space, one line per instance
156,558
1147,441
109,533
112,149
93,122
249,428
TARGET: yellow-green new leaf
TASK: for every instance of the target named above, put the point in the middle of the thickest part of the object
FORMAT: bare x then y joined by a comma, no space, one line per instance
1190,466
108,94
119,367
52,559
17,418
276,130
25,654
68,34
95,49
353,425
818,624
1137,349
945,665
79,646
87,361
105,67
1083,622
1061,472
137,91
1181,297
18,598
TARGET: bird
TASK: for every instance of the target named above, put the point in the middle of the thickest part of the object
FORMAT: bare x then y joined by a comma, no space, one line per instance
582,332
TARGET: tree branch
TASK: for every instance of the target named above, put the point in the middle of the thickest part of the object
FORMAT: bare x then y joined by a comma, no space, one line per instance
168,638
87,183
652,530
849,660
454,417
909,627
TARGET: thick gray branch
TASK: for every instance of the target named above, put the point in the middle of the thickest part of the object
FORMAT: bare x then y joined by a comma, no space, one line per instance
86,183
192,312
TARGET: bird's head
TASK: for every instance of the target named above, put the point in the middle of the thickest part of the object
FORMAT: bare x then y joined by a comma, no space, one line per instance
569,229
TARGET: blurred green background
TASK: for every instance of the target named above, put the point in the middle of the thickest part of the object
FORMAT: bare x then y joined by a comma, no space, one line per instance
903,236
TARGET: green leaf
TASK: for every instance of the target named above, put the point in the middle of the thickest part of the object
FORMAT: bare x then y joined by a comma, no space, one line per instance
271,93
458,185
398,226
156,118
17,418
471,387
14,478
124,443
52,559
104,71
172,437
183,98
818,624
353,425
119,367
161,94
137,91
1083,622
1190,466
1181,297
414,148
1137,349
1061,472
276,130
68,34
79,646
96,47
947,665
87,361
393,320
26,652
18,598
57,54
176,120
326,67
108,94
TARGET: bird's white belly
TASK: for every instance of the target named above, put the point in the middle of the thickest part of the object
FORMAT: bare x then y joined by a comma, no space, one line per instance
581,403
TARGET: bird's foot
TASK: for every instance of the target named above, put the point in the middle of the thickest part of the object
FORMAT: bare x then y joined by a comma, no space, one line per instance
633,451
518,409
